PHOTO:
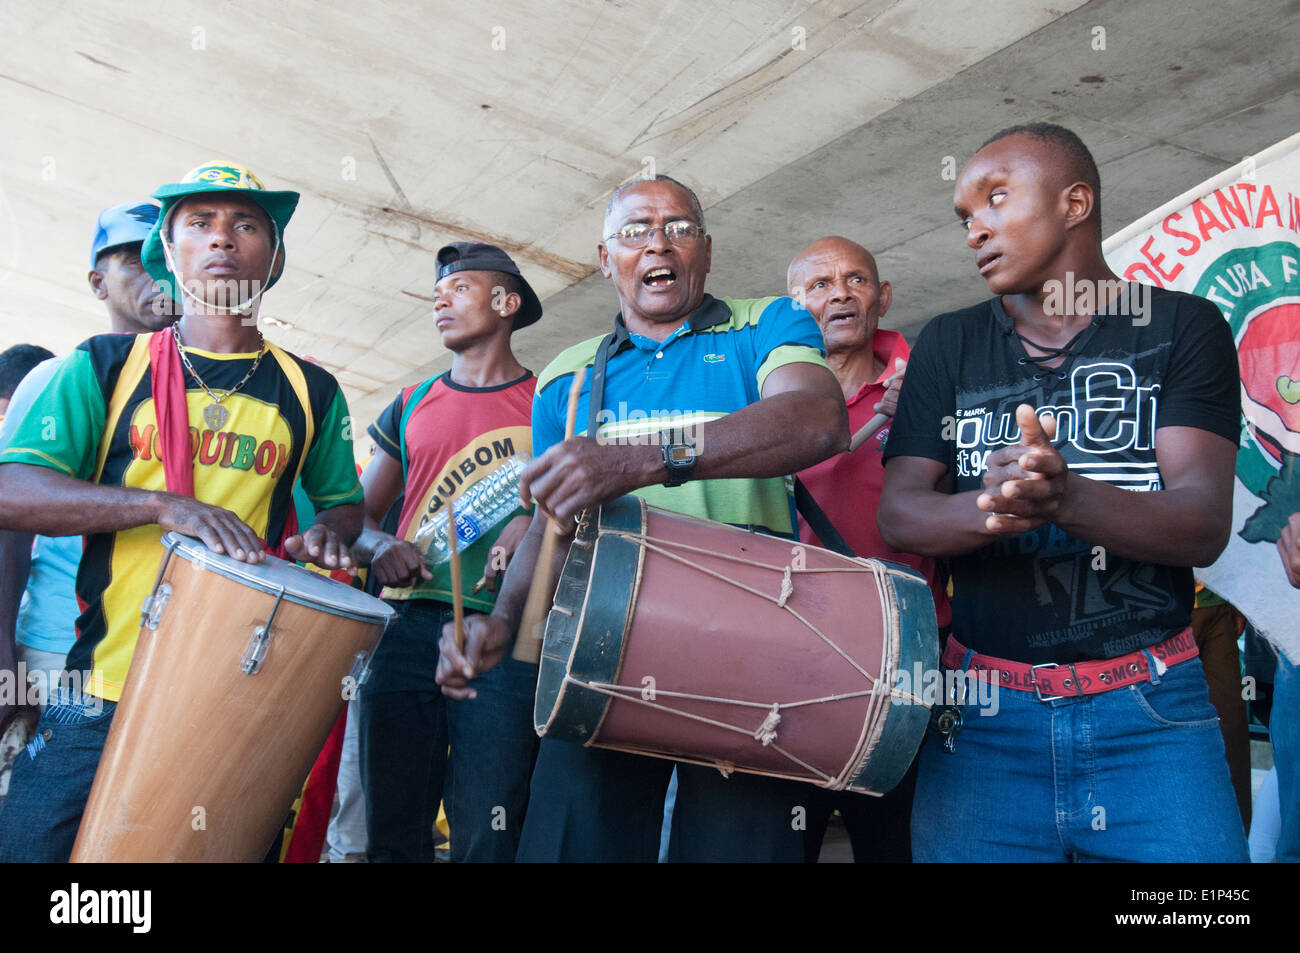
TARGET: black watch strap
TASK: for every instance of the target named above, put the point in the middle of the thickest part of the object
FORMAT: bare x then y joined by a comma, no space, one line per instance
679,461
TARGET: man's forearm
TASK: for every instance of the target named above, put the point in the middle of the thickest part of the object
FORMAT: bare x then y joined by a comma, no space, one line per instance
930,522
40,500
1168,527
776,436
518,579
15,564
346,521
509,606
1172,527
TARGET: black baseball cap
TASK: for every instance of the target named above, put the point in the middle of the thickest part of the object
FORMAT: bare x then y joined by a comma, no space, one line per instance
480,256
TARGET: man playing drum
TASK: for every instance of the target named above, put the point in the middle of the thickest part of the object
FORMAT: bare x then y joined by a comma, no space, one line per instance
838,282
449,441
1071,535
708,404
200,429
42,570
135,305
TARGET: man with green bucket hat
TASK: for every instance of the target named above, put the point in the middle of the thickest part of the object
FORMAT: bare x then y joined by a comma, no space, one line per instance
200,428
215,178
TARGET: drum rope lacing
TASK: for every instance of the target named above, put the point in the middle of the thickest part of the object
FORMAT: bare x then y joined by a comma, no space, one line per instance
766,733
779,601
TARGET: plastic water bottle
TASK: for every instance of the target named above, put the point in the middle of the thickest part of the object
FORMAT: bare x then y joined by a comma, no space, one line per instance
479,509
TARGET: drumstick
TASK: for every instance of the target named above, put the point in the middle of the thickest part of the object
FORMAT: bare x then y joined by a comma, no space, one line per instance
528,643
457,599
876,422
866,433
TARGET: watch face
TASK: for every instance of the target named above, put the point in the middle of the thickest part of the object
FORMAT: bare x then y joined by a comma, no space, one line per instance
679,453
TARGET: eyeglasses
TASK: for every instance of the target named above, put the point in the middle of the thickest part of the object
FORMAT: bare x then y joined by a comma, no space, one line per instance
637,234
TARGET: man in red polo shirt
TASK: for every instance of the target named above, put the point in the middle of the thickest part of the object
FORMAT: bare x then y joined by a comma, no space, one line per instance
837,281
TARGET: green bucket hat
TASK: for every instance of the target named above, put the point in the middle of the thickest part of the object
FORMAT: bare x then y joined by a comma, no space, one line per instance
217,176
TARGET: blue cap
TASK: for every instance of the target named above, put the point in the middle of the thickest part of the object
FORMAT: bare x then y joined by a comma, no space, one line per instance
127,224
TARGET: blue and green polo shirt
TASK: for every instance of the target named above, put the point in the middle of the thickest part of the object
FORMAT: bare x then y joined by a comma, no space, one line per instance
714,363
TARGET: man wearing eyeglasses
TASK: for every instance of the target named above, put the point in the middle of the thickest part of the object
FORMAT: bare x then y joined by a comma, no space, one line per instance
752,400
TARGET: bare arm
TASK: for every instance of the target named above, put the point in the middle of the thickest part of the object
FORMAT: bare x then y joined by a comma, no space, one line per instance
488,636
394,562
382,482
1187,523
800,421
1184,524
918,515
41,500
509,607
15,563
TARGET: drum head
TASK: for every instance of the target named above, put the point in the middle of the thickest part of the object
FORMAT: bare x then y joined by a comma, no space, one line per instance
274,575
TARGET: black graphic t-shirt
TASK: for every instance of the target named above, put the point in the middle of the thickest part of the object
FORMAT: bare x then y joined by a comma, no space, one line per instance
1046,596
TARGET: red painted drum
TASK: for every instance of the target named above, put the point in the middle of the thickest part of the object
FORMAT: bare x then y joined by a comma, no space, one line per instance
682,638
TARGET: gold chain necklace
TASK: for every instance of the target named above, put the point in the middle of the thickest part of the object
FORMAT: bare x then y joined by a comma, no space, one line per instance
214,415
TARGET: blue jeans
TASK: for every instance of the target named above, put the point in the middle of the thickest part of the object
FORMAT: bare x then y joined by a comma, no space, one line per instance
51,780
1284,732
407,725
1134,774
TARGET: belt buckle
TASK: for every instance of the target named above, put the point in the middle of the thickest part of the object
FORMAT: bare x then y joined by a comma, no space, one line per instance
1034,680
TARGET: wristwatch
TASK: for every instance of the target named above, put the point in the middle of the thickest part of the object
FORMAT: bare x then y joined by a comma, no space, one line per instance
679,459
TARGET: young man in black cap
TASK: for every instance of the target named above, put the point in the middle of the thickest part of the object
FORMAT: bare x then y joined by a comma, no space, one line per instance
455,440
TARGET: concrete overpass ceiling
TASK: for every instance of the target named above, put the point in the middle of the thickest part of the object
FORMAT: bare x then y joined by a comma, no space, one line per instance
409,125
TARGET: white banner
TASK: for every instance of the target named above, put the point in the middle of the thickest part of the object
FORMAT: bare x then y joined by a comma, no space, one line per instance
1236,241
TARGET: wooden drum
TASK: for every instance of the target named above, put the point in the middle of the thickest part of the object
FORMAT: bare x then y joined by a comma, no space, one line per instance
238,676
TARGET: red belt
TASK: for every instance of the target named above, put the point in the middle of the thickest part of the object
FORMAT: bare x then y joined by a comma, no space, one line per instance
1050,681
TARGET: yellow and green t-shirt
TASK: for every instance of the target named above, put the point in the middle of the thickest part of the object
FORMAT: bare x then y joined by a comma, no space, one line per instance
248,466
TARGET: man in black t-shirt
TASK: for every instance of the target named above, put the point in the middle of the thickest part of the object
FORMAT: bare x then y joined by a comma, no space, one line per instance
1023,422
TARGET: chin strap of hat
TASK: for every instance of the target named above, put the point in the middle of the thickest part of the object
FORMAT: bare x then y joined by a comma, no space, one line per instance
244,306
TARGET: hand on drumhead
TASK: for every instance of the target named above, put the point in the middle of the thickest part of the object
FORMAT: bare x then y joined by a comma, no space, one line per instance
582,472
322,546
221,530
1026,483
485,643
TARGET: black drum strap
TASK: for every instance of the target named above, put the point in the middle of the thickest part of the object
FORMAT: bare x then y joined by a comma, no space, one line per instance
609,345
819,522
